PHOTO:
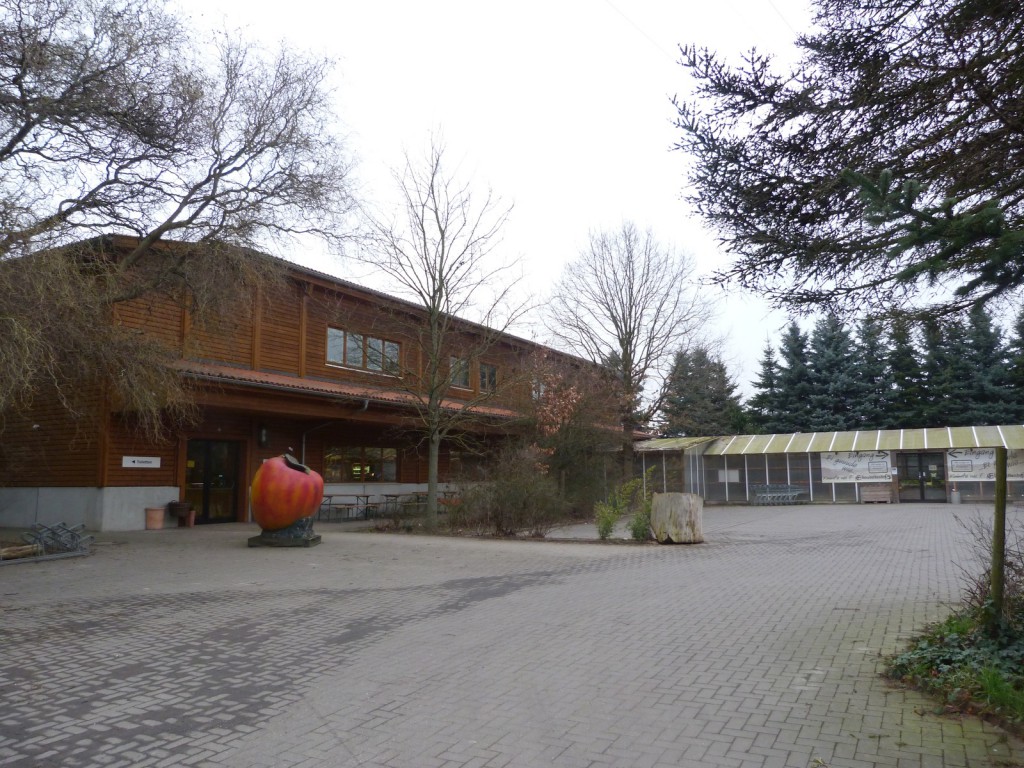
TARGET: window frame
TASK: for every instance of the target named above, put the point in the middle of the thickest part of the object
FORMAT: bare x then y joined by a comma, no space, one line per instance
490,382
364,457
458,372
376,354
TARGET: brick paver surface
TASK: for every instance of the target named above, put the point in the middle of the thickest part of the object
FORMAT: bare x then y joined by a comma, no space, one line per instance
759,648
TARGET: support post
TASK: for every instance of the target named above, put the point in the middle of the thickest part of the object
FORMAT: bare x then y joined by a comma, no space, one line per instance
997,584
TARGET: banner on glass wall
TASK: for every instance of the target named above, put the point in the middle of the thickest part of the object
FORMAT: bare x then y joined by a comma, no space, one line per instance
964,464
855,467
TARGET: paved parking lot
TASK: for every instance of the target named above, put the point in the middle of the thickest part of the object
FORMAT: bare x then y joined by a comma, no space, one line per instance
182,647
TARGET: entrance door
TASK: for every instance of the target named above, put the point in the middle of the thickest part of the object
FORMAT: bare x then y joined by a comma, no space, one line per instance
211,480
922,476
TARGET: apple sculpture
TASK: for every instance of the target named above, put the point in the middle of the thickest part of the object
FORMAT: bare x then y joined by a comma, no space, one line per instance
284,491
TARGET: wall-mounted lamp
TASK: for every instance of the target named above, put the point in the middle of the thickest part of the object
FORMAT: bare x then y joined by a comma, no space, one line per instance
262,437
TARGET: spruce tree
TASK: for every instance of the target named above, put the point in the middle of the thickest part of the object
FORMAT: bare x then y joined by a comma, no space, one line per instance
700,397
906,404
794,382
836,388
989,395
1015,368
877,388
764,406
947,374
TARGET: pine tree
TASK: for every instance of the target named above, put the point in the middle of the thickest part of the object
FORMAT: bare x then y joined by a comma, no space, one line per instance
1015,368
794,382
764,406
989,394
876,392
947,374
906,406
700,398
836,386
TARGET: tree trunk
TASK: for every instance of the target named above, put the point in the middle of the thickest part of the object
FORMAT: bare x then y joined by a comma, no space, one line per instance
433,454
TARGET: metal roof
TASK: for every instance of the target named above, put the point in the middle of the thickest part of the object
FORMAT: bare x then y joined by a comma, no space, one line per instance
934,438
672,443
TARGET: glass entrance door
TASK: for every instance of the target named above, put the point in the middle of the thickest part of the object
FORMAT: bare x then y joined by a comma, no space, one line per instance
922,476
211,480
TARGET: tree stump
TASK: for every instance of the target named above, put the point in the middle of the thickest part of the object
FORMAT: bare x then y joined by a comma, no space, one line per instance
676,518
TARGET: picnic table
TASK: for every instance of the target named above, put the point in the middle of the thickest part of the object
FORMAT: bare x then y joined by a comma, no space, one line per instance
345,506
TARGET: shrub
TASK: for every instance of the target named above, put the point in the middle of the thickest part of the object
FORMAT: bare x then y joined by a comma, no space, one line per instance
606,518
640,525
515,496
627,497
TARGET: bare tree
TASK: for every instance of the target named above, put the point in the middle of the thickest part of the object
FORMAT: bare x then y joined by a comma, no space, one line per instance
436,252
628,303
116,119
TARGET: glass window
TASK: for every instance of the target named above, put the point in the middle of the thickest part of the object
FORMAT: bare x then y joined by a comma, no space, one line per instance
459,372
356,350
488,377
360,464
335,345
391,356
374,354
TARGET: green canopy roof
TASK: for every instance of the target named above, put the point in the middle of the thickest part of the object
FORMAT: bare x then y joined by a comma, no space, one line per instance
935,438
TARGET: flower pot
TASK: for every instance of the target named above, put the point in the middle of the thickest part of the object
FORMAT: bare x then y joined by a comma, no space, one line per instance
154,518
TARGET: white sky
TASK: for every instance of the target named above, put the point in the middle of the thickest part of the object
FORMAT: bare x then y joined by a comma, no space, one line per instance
560,106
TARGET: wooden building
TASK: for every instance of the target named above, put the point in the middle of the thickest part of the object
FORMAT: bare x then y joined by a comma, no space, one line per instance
320,369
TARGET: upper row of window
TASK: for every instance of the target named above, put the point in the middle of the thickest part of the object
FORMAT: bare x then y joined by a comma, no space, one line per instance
358,350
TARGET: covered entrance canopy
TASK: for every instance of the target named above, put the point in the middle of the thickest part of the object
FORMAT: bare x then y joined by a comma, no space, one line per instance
934,464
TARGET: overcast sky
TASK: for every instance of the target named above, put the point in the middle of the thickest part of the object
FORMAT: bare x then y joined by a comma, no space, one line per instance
562,107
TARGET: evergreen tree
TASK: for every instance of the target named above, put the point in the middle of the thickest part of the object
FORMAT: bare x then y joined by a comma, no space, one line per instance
906,406
836,387
947,374
1015,368
700,396
875,404
794,382
989,394
764,407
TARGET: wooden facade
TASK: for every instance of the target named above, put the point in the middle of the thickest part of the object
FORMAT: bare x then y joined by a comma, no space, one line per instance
265,384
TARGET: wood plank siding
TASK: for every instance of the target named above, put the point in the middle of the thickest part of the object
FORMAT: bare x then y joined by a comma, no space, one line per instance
304,403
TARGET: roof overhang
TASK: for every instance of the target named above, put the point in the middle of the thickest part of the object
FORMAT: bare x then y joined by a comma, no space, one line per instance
931,439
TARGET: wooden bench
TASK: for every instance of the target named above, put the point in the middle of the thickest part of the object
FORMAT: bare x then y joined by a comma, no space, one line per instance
776,494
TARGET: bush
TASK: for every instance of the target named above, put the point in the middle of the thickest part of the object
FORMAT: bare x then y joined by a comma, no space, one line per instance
606,517
640,525
515,496
626,498
959,660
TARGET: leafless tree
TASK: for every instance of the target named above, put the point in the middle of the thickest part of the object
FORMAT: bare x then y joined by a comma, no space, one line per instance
438,252
114,118
629,303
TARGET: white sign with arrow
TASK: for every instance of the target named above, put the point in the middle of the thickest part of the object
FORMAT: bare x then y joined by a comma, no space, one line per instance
141,462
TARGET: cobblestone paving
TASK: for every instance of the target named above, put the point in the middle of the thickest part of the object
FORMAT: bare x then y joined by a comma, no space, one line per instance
759,648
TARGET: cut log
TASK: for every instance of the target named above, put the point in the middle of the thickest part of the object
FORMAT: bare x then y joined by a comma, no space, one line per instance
21,550
676,518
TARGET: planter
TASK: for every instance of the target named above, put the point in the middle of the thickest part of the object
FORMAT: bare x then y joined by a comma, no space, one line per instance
185,513
154,518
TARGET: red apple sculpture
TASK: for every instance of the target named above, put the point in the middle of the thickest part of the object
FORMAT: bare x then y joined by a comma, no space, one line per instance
283,492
